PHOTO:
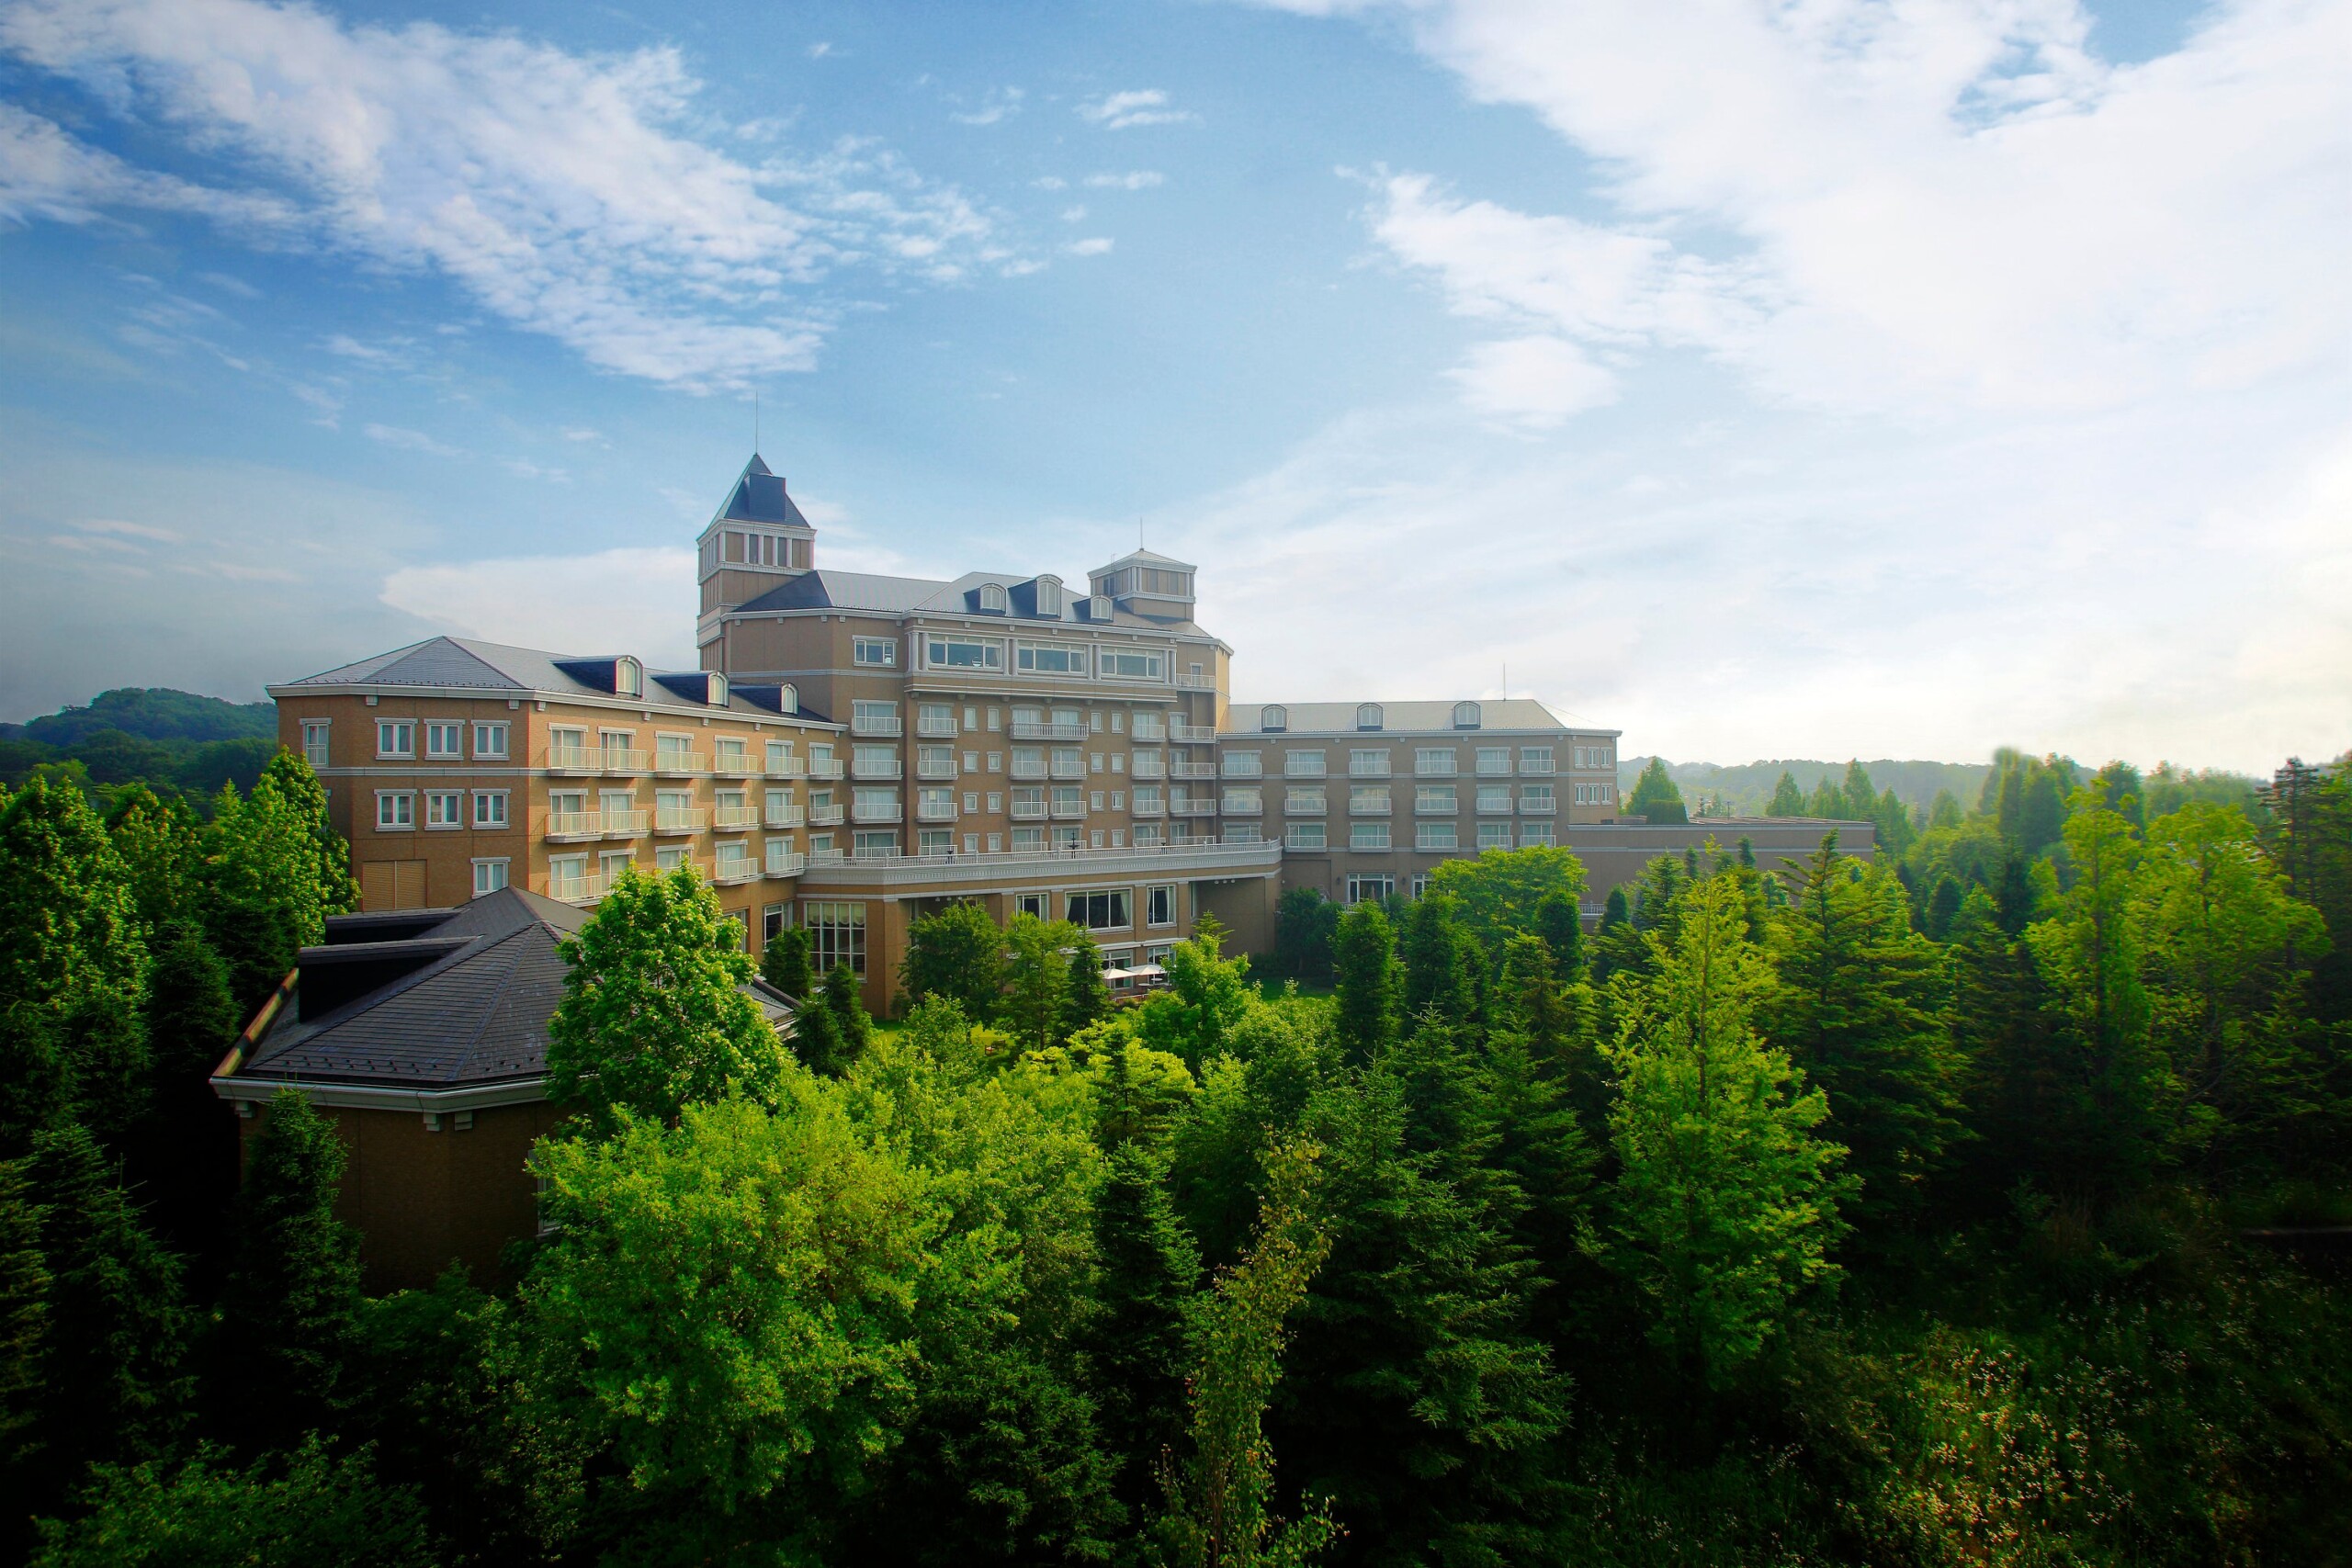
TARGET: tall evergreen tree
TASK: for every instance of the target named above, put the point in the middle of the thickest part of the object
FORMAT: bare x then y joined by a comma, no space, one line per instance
1787,799
1149,1269
188,1161
784,963
69,920
291,1298
1441,961
1656,796
161,844
288,773
1037,980
1560,923
848,1007
262,897
958,953
1306,923
1086,995
24,1317
1370,985
817,1037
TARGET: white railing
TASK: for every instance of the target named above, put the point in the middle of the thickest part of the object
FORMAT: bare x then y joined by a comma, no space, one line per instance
679,762
1069,810
1149,728
825,816
1028,811
1191,770
1194,682
870,769
871,724
1151,767
1368,807
938,728
788,768
1192,808
680,819
1544,806
1296,766
1494,806
734,765
1067,768
1306,805
1368,768
874,811
735,817
736,869
1234,768
1244,806
1437,768
935,769
1149,808
1536,770
935,811
585,889
1045,729
829,768
625,824
563,825
1190,733
1487,769
790,864
594,760
1425,806
785,816
1023,768
827,857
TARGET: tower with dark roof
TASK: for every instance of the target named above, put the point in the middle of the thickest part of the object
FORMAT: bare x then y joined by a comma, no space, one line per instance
755,542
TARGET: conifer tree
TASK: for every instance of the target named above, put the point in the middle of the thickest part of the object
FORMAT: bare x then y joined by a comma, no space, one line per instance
262,898
189,1161
1616,946
23,1315
1944,811
161,844
116,1336
817,1037
1441,961
958,953
784,963
1086,995
1943,906
1037,980
1656,796
289,773
69,922
1149,1270
1787,799
653,1016
848,1007
1561,925
291,1297
1369,983
1728,1199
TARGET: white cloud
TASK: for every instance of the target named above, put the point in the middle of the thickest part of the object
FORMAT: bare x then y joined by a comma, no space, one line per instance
410,440
135,530
1536,381
560,190
1100,245
637,601
1140,179
1000,104
581,433
1123,111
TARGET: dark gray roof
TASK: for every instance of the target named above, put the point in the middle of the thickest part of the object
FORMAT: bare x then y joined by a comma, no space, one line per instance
1409,717
877,594
475,1015
759,497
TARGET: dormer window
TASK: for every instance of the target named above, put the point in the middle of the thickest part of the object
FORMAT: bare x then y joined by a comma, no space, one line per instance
1098,608
787,698
628,678
993,599
717,693
1274,718
1368,716
1050,598
1466,716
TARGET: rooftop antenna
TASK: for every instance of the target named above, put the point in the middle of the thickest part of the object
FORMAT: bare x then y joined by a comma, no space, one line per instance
755,424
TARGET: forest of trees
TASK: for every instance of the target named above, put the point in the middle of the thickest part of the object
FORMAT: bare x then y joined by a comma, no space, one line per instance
180,746
1966,1204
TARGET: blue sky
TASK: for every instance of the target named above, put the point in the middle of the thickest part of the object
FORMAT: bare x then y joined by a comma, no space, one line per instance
1761,381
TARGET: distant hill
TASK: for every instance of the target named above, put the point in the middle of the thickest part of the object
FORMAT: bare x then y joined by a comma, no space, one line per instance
151,713
1746,787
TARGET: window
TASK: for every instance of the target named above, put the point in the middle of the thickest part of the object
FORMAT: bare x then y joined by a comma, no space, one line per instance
1537,800
1494,799
490,808
994,600
1435,800
1305,800
1465,716
490,740
314,742
1036,906
1274,718
1493,762
936,718
876,651
1028,839
1359,888
965,654
1535,761
1367,835
1494,835
674,753
1133,664
779,861
1533,833
836,936
1110,910
669,858
395,737
1436,763
1368,800
1050,598
1050,658
1368,764
1368,716
771,920
1148,836
444,808
1239,834
1305,764
1436,836
442,740
1160,905
628,678
490,875
873,717
936,841
780,757
1247,800
1305,835
395,810
1243,765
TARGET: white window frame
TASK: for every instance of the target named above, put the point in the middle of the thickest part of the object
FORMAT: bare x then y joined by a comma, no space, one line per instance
1079,657
1160,904
1306,836
1117,906
490,875
403,732
1361,834
317,742
874,652
934,657
452,801
490,739
1111,664
401,816
455,729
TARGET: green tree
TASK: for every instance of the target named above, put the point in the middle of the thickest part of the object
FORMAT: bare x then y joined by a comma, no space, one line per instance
1616,946
817,1037
1787,799
1501,891
1086,995
116,1336
161,844
958,953
293,1285
1370,986
784,963
1037,979
1560,922
1860,1008
289,773
285,1511
1149,1270
1443,963
1307,925
1943,811
262,898
24,1313
1857,792
1727,1199
843,998
653,1016
1219,1498
189,1156
1656,796
1208,994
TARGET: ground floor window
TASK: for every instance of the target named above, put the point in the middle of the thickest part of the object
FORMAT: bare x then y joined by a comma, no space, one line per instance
836,935
1036,905
1360,888
1533,833
1112,910
771,920
1160,905
1421,886
1494,835
877,846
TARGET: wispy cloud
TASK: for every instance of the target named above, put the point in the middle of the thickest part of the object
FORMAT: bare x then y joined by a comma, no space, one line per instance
1000,104
410,440
563,191
1123,111
160,534
1140,179
1100,245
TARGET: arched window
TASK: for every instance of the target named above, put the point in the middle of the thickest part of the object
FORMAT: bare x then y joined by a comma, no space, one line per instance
628,678
1274,718
992,600
1098,608
1465,716
718,690
787,698
1050,598
1368,716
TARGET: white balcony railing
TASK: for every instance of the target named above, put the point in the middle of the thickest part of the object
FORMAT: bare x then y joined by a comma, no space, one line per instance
734,765
1191,770
825,816
1069,810
872,723
564,826
1194,682
788,768
1367,767
790,863
825,768
594,760
626,824
1028,811
1488,769
1234,768
1447,807
935,769
1243,806
1368,808
1148,728
1047,729
874,811
872,769
1149,808
1539,805
584,888
1535,769
935,811
1437,768
936,727
1023,768
1305,805
786,816
1191,734
736,869
1493,805
680,819
827,857
1067,768
667,761
1192,808
735,817
1298,767
1152,767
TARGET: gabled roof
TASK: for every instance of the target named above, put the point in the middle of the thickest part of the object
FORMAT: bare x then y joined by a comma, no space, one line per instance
1410,717
476,1014
877,594
467,664
759,497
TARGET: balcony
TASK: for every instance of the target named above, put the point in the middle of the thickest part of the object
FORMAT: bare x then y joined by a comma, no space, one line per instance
1298,767
876,724
1437,768
946,770
919,873
935,811
788,768
1436,807
827,857
1490,768
680,819
1380,807
570,827
594,760
1543,806
1146,767
824,767
1069,810
1368,767
1194,682
1243,806
825,816
1191,770
1069,768
735,817
667,762
791,865
1305,806
876,811
1192,734
1192,808
1045,729
1149,808
785,816
736,870
1023,768
1493,805
870,769
734,765
626,824
1028,811
1149,728
937,729
1531,769
584,888
1241,768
